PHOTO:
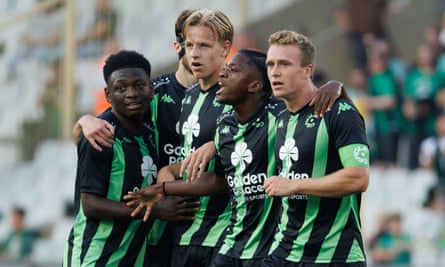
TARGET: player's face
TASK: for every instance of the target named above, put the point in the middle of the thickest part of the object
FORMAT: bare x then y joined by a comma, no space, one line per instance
235,80
204,53
285,72
129,91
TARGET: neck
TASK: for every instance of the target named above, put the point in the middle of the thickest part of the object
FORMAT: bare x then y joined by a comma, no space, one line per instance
133,124
184,76
245,110
301,98
207,82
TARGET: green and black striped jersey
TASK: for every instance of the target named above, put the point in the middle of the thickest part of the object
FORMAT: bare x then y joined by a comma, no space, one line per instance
320,229
245,152
165,109
129,165
199,114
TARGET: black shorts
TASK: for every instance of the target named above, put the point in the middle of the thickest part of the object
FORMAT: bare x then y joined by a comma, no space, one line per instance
273,261
193,256
226,261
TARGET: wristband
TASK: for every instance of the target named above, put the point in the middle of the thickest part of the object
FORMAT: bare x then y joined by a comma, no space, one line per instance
163,189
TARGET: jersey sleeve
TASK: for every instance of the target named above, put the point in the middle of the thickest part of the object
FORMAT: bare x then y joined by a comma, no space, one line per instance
348,128
94,168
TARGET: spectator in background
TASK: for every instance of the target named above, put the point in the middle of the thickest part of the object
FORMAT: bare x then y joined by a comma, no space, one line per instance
18,245
393,246
431,38
363,17
50,101
422,84
432,151
382,106
91,44
427,227
396,65
41,40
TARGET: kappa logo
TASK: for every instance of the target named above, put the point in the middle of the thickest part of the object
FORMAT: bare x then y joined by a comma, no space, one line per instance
289,152
167,99
344,107
149,169
187,100
225,130
241,156
216,103
125,140
191,128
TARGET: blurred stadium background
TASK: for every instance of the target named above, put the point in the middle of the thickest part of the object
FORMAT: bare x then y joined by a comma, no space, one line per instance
37,154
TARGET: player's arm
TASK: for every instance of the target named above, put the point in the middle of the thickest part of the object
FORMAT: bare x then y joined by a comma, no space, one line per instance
169,173
208,184
324,99
176,209
196,162
349,180
97,131
101,208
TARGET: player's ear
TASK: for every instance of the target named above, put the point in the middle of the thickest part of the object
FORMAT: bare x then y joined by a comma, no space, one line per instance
177,46
308,70
107,95
255,86
226,48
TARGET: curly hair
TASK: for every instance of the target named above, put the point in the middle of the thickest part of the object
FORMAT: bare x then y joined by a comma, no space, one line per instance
125,59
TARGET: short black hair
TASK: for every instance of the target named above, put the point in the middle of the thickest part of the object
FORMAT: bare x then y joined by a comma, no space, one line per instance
125,59
258,59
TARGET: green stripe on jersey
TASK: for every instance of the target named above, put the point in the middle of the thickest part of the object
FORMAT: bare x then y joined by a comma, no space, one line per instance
291,126
241,210
154,117
188,135
312,209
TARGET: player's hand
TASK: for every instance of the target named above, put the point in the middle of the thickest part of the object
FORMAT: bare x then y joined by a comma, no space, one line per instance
278,186
143,199
196,163
324,99
97,132
176,209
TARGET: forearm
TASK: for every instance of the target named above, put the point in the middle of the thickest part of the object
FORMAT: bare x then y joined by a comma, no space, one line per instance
343,182
104,209
77,131
169,173
77,128
208,184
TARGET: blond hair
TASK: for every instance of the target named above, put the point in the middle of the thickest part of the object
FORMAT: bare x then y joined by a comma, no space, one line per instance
217,21
286,37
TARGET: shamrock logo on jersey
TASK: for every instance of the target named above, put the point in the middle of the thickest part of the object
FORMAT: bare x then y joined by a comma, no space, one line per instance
288,152
191,128
241,156
148,168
